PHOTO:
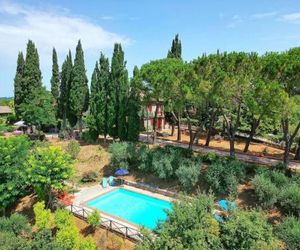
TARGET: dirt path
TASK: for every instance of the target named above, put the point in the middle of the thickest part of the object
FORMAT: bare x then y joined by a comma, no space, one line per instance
294,165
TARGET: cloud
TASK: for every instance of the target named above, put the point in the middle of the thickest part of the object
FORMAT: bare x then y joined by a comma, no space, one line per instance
107,18
292,17
48,29
235,21
264,15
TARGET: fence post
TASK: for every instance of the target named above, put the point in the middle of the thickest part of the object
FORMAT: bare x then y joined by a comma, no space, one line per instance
83,213
71,208
126,233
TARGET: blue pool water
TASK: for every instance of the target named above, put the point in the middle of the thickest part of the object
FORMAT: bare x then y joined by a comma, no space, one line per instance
134,207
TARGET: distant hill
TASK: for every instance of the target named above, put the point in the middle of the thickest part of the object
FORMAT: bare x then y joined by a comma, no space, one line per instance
5,100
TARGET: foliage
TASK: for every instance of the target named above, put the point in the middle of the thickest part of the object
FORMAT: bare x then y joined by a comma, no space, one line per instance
122,154
188,173
210,157
144,159
63,218
68,238
13,158
224,177
47,169
94,218
189,226
289,232
55,80
18,96
39,110
73,149
247,230
289,199
79,91
43,217
265,190
17,224
175,51
87,244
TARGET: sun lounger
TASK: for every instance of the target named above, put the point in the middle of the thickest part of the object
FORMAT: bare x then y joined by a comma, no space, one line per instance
111,181
104,182
226,205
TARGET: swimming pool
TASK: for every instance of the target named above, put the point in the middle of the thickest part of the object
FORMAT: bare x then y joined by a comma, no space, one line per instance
134,207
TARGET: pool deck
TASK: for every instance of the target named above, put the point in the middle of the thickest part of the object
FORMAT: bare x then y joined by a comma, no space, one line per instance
89,193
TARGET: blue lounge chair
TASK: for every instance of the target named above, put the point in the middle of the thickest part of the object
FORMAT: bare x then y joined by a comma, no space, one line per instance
226,205
111,181
104,182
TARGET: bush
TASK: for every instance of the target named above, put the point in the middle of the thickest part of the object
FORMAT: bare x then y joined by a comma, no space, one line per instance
67,238
289,199
247,230
210,158
17,224
89,136
289,232
43,217
63,218
279,179
265,190
188,173
94,219
87,244
122,154
73,149
144,159
224,177
162,165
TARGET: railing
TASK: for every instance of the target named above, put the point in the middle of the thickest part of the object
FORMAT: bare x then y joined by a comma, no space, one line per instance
108,223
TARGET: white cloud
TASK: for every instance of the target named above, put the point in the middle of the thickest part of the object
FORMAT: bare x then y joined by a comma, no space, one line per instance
107,18
48,29
292,17
264,15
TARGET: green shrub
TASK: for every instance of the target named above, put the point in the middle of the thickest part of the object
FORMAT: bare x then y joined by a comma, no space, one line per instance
17,224
94,219
289,232
162,165
144,163
89,136
43,217
63,218
67,238
122,154
73,149
188,173
224,177
210,157
279,179
289,199
87,244
247,230
265,190
43,239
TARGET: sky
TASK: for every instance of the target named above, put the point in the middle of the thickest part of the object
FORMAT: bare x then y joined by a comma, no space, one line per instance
144,28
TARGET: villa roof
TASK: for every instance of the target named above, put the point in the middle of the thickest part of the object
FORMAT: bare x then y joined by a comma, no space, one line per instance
5,110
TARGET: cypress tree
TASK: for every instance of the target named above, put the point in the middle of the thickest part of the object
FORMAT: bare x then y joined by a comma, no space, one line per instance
79,91
119,83
134,106
104,100
66,72
18,84
32,77
55,80
175,51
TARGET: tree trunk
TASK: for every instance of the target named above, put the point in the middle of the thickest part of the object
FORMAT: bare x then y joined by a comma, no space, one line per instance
211,126
232,149
154,124
172,131
254,126
289,139
179,130
297,154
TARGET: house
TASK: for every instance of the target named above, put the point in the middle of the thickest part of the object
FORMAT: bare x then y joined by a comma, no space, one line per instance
5,110
150,113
